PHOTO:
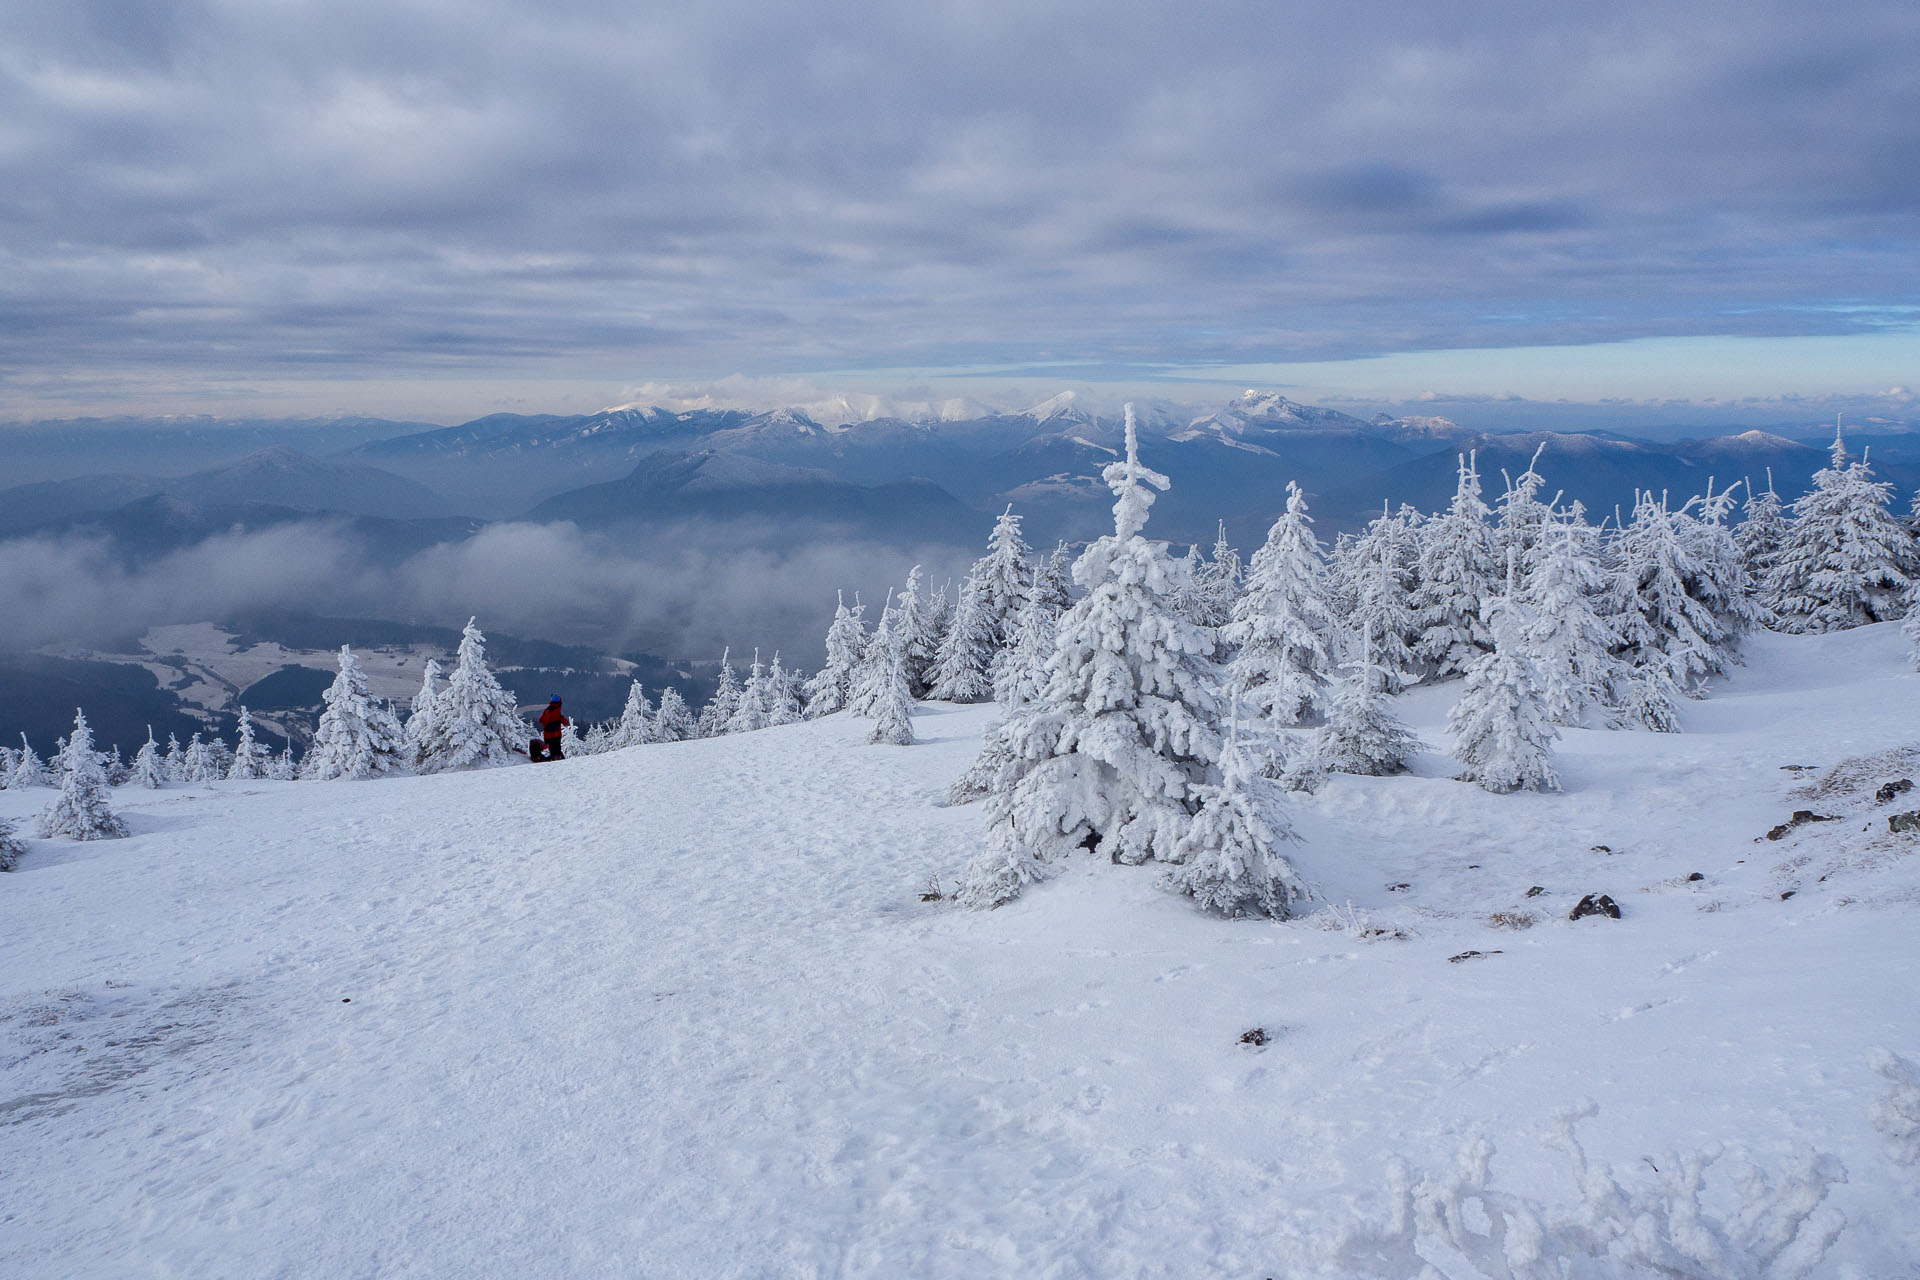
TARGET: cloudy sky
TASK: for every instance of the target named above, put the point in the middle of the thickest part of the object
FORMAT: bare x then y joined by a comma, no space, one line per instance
435,208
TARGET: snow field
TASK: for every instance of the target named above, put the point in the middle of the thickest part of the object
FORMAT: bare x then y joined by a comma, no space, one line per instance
677,1010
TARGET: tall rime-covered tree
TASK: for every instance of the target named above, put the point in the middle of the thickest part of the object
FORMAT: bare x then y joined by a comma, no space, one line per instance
717,716
477,723
1457,570
27,769
249,757
1661,624
1003,575
891,695
1572,646
1283,629
1499,727
82,811
868,680
832,686
1114,755
12,848
358,737
961,672
750,710
176,762
912,620
149,770
1381,570
674,721
1846,560
635,726
1761,535
422,719
784,702
1229,857
1362,735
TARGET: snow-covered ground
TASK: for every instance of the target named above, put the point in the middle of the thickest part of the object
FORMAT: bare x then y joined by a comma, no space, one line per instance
680,1011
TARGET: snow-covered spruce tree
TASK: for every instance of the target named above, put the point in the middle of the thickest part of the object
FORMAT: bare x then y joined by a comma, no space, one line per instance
1661,625
1362,735
1379,565
423,716
1229,858
149,770
1759,539
1113,755
938,608
82,811
717,716
1572,647
635,726
785,703
1217,586
832,685
283,768
750,708
476,722
1002,576
1499,727
865,694
198,763
357,737
219,758
1457,574
1720,579
1053,579
892,697
12,848
1283,629
923,647
249,757
176,761
674,721
28,771
116,769
6,766
1846,560
1521,518
967,652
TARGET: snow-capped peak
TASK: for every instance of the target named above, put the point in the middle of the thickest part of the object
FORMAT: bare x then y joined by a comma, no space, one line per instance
1064,406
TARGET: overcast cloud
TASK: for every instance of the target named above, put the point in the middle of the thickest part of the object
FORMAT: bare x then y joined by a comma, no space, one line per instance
197,194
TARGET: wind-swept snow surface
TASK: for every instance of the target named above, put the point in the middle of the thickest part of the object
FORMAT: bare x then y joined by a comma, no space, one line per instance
679,1010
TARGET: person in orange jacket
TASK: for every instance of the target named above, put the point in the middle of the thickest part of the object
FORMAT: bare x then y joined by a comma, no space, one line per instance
552,722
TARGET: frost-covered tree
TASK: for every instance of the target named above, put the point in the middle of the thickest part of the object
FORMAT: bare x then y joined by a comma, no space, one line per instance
28,771
82,811
283,768
1283,628
149,770
1499,727
1661,624
1572,646
832,685
750,709
6,766
892,698
1002,577
1229,857
674,721
476,722
1521,518
176,760
785,702
1114,755
1457,574
423,717
358,736
116,769
1846,560
867,681
912,620
1217,585
1380,572
1720,580
635,726
939,616
1053,579
249,757
12,848
1362,735
967,652
716,717
1759,539
203,762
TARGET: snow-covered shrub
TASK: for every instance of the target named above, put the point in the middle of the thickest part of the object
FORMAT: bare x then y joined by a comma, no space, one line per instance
1229,859
28,771
358,737
1500,729
1896,1113
82,810
12,848
1676,1223
674,721
1362,735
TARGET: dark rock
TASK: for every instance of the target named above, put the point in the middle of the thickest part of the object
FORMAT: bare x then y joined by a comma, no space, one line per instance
1800,818
1798,768
1256,1036
1536,891
1908,821
1888,790
1601,848
1471,955
1595,904
1695,876
1401,887
1788,894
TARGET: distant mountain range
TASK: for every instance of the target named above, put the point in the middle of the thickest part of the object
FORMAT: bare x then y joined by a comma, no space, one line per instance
892,479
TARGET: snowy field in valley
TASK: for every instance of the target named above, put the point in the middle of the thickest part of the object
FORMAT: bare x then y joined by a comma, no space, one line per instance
680,1010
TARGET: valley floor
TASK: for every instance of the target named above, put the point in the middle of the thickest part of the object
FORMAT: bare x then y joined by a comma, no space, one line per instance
680,1011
